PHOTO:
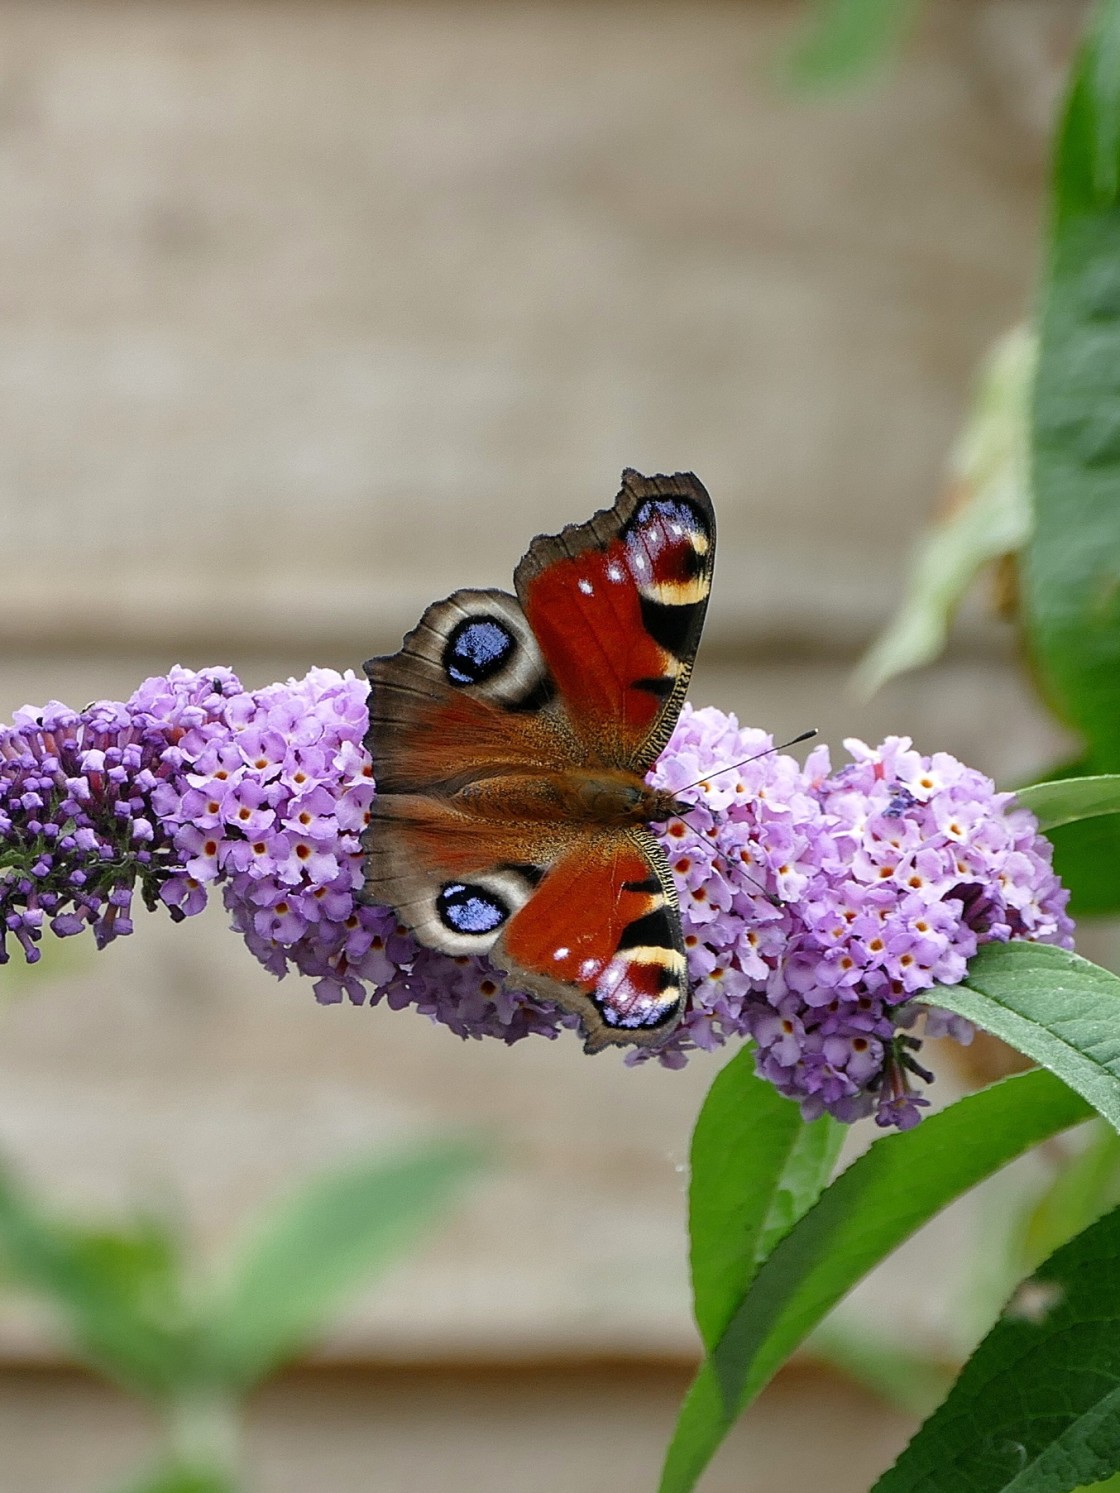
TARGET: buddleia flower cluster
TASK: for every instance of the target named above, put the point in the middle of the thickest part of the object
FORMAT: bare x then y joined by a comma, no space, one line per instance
816,905
79,833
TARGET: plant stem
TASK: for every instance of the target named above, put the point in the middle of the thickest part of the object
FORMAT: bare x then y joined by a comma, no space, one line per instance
204,1434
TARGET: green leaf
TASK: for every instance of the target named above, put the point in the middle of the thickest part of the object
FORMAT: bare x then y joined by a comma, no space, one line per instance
990,516
1086,853
1076,811
849,39
119,1292
1065,800
1037,1407
900,1183
1052,1005
756,1167
309,1253
805,1175
1072,567
1087,859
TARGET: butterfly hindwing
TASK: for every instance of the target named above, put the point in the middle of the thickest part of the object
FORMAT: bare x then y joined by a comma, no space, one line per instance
454,882
618,962
617,607
589,922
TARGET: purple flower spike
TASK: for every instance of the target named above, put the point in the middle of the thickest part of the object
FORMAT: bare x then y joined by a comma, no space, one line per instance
887,876
815,905
79,829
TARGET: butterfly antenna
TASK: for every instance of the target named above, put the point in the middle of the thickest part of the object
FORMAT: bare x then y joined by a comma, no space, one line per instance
771,897
793,741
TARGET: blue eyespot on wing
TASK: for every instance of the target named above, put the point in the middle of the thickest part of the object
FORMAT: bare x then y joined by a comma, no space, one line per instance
468,909
477,649
465,691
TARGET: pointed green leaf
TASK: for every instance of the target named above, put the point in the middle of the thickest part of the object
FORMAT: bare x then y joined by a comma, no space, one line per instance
1037,1407
804,1177
990,516
900,1183
1071,575
1052,1005
119,1292
333,1236
1065,800
756,1167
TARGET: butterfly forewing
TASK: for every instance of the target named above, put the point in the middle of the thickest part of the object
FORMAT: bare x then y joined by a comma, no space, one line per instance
617,607
467,694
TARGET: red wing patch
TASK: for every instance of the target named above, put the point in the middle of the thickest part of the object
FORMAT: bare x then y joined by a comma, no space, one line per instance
617,606
601,936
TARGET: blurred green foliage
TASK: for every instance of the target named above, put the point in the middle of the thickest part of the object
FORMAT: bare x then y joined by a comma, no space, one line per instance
191,1342
1037,474
1083,1189
846,41
1071,595
987,515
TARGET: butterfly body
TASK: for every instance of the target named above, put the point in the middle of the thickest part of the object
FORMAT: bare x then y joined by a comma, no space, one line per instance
596,797
511,737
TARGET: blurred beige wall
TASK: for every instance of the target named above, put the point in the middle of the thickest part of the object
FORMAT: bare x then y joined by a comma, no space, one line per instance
310,312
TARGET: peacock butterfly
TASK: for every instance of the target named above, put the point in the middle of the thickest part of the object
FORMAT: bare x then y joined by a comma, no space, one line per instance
510,739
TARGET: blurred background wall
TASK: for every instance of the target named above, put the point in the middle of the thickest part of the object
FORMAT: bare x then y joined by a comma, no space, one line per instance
312,310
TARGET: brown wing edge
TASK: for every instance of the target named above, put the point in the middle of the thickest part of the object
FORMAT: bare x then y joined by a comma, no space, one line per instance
598,531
